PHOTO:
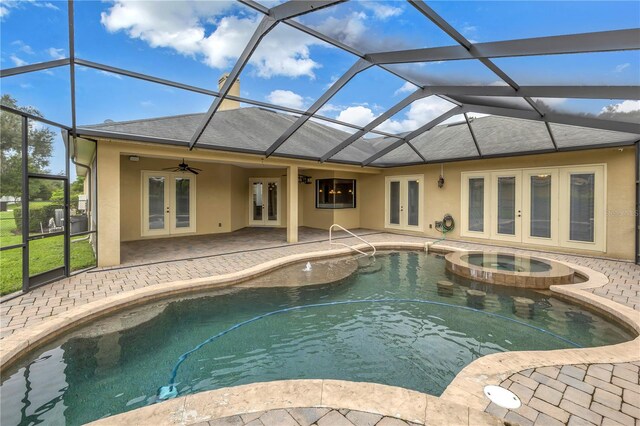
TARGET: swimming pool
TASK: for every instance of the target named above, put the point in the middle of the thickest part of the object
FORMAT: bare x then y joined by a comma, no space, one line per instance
386,323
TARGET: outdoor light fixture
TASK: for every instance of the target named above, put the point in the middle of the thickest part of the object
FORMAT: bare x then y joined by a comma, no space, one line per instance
304,179
441,178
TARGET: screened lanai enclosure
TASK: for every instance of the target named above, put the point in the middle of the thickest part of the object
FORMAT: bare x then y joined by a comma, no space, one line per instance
373,84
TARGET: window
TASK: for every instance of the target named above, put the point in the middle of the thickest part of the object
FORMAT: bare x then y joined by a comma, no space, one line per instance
335,193
581,207
476,204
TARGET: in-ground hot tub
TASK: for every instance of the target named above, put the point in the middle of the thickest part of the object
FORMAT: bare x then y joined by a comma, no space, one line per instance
509,269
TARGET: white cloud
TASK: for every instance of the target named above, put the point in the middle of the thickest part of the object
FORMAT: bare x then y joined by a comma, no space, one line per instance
327,108
353,31
183,27
552,102
622,67
56,53
624,106
286,98
7,5
147,104
47,5
331,82
382,11
22,46
110,74
420,112
358,115
405,88
17,61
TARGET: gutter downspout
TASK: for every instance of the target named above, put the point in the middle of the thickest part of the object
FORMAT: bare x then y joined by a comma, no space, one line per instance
73,160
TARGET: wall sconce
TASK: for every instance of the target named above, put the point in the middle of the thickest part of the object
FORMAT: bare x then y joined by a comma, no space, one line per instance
441,178
304,179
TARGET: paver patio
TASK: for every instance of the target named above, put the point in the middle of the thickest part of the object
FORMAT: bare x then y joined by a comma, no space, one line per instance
310,416
574,394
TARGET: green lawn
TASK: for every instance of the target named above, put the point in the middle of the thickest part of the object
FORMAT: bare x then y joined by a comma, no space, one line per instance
44,254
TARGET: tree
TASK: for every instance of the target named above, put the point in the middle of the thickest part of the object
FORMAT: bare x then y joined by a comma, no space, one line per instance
40,147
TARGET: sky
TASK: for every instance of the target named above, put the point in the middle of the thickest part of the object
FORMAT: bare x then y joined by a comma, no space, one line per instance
196,42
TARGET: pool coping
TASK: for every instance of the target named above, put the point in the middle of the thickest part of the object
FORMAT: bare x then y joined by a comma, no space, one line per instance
465,389
374,398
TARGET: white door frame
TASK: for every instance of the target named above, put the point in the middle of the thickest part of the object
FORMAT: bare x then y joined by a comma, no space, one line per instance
526,207
517,235
404,202
265,201
169,204
600,205
560,205
464,205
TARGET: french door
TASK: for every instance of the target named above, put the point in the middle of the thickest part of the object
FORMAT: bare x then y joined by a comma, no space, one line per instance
168,203
264,201
506,223
404,199
562,206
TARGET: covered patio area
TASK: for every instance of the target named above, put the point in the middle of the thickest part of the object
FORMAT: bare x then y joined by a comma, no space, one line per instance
245,240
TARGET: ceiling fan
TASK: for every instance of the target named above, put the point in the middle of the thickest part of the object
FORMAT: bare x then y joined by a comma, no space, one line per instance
184,167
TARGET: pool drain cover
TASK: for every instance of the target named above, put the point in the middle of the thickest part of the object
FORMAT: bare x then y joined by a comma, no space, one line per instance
502,397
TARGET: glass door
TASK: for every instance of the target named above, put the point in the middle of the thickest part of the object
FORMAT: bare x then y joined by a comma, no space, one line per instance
507,208
168,203
272,198
264,201
404,202
182,203
156,206
540,209
393,203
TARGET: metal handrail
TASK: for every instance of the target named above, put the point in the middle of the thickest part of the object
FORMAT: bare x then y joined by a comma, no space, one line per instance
353,235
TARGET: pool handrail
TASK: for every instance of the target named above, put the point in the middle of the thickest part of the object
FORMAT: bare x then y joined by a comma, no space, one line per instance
353,235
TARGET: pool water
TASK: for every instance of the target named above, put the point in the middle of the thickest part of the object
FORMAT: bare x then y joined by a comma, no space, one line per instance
507,262
104,370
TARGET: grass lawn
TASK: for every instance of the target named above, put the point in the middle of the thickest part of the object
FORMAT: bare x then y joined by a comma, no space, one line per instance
44,254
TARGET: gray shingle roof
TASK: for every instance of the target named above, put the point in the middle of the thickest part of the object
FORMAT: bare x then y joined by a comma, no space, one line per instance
255,129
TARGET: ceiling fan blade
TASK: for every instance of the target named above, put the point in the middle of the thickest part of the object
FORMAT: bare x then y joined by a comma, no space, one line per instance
192,170
195,168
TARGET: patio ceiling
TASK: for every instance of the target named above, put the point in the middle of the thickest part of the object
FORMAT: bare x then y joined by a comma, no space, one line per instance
498,116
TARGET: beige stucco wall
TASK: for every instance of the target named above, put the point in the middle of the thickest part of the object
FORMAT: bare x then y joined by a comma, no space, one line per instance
240,193
223,191
213,195
324,218
438,202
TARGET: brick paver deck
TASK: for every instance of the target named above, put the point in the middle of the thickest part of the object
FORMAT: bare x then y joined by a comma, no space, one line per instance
311,416
599,394
596,394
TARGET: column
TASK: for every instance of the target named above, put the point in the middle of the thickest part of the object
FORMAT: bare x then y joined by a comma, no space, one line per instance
108,204
292,204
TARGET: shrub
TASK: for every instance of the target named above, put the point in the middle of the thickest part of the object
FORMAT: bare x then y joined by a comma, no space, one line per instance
37,215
